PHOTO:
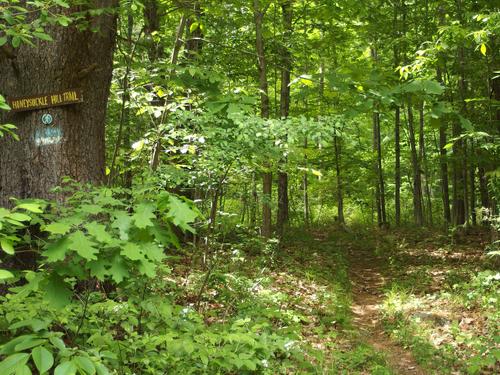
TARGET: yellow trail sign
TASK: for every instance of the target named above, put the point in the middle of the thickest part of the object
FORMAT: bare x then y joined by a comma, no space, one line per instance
30,103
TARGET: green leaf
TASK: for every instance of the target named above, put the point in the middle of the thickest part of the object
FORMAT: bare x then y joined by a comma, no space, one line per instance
154,252
118,270
30,343
82,245
4,274
23,370
85,365
98,231
44,360
147,268
16,41
66,368
132,251
101,369
19,217
181,214
7,246
58,343
9,364
56,251
43,36
122,223
62,3
143,216
92,209
57,291
98,269
35,324
10,347
3,40
58,228
32,207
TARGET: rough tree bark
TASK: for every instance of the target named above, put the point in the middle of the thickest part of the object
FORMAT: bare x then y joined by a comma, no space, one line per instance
73,60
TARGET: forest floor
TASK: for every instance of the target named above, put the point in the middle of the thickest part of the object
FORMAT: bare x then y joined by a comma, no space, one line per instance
368,276
421,302
362,301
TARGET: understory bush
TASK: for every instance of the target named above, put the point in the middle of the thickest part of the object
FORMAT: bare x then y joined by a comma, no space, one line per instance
100,299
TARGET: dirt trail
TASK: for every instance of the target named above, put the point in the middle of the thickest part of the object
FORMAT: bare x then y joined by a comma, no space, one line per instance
367,282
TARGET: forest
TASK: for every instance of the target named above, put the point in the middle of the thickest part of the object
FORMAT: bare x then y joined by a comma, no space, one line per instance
249,187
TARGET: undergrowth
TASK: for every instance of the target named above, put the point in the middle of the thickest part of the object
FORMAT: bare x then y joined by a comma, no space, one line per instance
442,302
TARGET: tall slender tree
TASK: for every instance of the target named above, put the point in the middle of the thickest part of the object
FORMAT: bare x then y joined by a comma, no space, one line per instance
267,183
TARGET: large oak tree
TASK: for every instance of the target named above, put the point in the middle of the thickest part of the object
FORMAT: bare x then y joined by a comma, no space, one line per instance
80,56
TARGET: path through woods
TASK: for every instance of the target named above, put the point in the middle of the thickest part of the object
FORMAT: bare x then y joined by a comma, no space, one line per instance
367,276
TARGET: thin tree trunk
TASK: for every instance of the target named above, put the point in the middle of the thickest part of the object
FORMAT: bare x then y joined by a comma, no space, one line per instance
443,158
398,32
340,197
459,185
286,66
305,187
255,202
194,38
397,169
123,128
377,148
472,184
267,182
378,201
152,25
155,158
417,183
424,163
483,188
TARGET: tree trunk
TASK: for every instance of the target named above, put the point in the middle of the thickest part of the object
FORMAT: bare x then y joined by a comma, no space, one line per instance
397,169
123,128
443,160
267,183
152,25
340,197
377,147
425,164
74,144
155,157
378,202
380,184
255,202
194,39
305,187
417,182
286,66
459,178
483,188
459,199
472,185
